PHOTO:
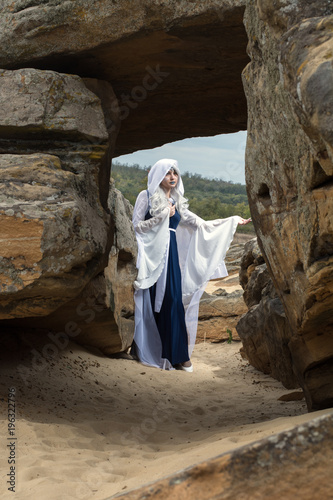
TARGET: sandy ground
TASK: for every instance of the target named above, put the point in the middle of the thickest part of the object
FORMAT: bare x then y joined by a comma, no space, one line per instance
229,284
88,426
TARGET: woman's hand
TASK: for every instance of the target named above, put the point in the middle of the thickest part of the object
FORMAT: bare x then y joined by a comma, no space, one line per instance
242,221
172,209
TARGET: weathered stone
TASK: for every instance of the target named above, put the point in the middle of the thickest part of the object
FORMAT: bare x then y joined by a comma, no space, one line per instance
106,306
56,226
233,257
219,313
121,270
289,88
294,463
55,105
156,55
265,334
307,55
102,314
45,111
51,240
282,14
259,278
264,330
253,274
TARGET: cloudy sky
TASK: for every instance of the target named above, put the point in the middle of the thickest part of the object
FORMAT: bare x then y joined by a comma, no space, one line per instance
219,157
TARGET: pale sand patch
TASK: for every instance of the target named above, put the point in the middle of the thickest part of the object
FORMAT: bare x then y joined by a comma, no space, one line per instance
228,284
88,426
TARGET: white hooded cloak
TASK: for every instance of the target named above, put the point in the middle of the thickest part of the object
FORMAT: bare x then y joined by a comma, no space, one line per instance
202,246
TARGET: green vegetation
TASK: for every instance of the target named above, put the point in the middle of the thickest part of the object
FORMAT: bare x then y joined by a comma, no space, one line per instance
210,199
230,339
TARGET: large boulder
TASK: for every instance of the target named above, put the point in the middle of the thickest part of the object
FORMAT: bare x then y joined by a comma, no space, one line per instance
264,329
52,241
219,313
298,460
102,315
181,58
289,173
61,228
53,143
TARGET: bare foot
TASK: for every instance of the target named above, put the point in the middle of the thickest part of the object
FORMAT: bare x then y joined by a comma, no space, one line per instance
187,363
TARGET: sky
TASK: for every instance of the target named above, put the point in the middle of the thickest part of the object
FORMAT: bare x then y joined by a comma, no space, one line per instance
221,156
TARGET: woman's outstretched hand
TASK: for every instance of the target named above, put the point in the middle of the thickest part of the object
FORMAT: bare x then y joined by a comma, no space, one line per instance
242,221
172,209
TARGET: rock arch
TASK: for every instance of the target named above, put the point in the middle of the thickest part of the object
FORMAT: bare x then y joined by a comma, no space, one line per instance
164,71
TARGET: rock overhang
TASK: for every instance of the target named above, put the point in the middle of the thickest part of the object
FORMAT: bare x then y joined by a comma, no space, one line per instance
175,69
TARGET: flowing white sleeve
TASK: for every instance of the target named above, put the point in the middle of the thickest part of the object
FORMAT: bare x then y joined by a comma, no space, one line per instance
206,251
153,242
202,246
191,220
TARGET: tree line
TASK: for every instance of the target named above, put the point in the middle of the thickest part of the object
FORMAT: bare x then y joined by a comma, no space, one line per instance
208,198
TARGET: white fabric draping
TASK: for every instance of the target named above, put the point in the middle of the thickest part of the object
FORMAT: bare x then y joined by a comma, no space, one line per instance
203,260
202,246
152,237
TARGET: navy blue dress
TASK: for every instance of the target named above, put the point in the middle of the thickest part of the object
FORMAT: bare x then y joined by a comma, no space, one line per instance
170,320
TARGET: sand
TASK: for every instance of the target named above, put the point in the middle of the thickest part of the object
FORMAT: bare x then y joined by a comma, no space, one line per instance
229,284
88,426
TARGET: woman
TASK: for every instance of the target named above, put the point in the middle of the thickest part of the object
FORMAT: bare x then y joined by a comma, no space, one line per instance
178,253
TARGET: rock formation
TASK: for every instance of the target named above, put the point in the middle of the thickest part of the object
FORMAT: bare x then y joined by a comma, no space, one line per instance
164,71
73,273
102,314
63,233
222,303
264,329
289,173
181,58
53,141
299,460
219,313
